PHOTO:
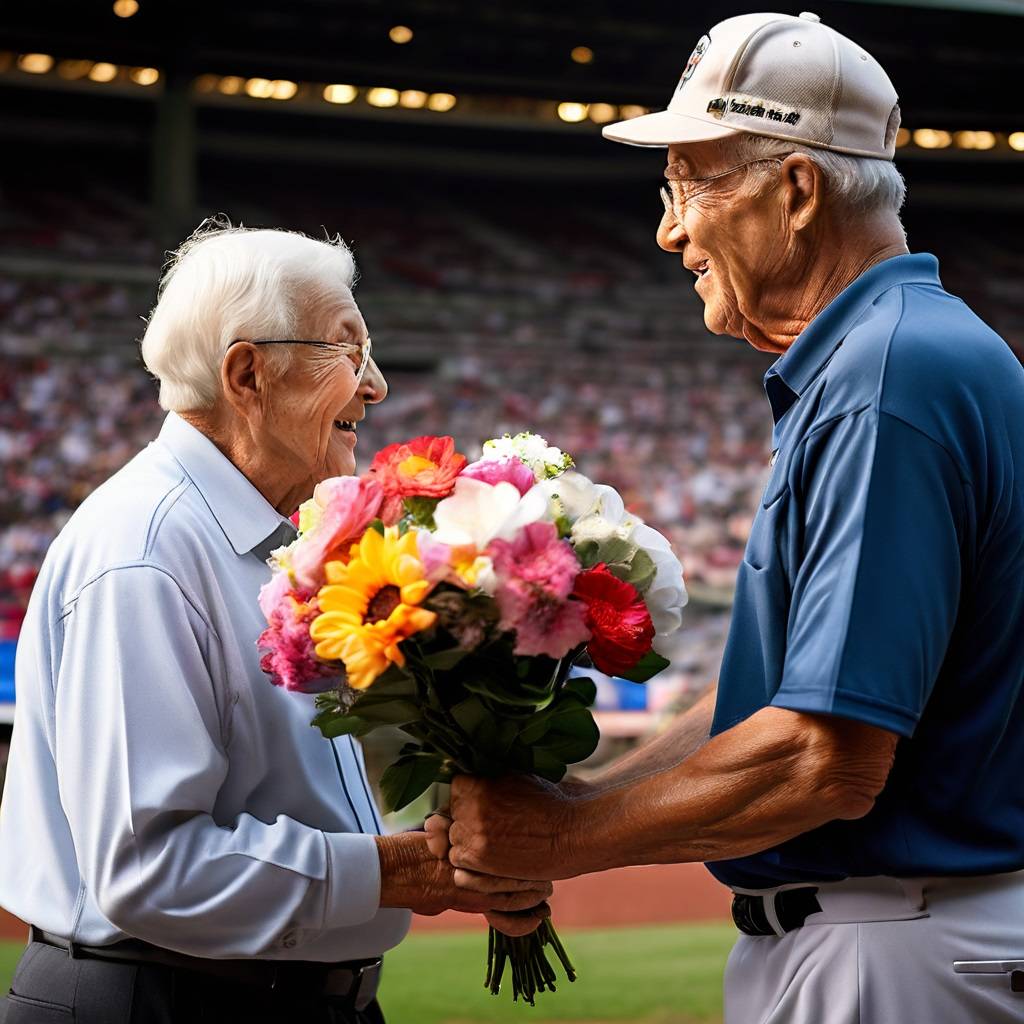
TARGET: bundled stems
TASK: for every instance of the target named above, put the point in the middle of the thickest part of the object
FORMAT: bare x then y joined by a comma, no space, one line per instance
527,961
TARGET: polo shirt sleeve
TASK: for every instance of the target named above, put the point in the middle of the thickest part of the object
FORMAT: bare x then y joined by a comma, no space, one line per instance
142,755
877,581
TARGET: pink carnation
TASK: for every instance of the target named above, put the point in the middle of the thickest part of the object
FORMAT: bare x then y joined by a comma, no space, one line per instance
349,505
494,471
287,650
536,572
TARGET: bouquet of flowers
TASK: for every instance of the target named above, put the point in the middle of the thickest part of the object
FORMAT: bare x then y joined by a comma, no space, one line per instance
452,600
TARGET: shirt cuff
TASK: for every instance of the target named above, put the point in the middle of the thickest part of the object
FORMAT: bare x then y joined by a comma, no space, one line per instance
847,704
353,879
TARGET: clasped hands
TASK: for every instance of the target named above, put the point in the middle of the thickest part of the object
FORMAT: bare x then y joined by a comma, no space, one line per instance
502,832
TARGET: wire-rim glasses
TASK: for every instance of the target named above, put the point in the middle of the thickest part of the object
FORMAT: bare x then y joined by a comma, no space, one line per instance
677,193
351,347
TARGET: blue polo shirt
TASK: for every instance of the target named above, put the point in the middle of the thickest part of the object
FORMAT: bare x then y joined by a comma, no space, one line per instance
884,577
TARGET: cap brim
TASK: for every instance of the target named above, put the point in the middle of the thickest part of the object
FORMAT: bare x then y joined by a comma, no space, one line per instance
664,128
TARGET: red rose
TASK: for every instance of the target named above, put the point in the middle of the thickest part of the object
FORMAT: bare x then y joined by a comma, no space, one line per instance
425,467
620,624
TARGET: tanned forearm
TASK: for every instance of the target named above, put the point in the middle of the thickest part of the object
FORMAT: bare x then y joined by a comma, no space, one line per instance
775,776
687,734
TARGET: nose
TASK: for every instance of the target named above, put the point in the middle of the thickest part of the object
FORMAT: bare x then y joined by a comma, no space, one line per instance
671,234
373,388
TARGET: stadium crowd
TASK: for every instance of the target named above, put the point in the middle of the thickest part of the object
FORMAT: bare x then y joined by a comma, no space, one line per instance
563,320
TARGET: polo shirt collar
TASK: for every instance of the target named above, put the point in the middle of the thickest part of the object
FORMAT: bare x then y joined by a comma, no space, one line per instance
246,517
791,374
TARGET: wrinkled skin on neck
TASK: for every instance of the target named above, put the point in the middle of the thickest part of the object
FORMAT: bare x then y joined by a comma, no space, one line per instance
776,248
280,429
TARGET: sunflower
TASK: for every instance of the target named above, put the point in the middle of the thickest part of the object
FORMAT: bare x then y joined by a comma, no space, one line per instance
370,605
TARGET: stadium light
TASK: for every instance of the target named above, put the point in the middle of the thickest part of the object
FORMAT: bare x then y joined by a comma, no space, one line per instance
632,110
931,138
340,93
282,89
103,72
413,99
231,85
974,140
902,137
259,88
74,69
400,34
1016,141
35,63
602,113
573,112
380,97
582,54
144,76
441,102
126,8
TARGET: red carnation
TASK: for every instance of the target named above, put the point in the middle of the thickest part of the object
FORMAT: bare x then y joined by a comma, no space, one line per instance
620,624
425,467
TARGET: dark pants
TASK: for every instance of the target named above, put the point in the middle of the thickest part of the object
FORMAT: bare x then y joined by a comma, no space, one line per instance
49,987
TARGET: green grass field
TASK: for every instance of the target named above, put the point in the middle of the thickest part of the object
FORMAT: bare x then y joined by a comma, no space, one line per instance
667,974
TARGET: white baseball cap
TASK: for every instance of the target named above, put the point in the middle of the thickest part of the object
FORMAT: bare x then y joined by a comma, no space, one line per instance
780,76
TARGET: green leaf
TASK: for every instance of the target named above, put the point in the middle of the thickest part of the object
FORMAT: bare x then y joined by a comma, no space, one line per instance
443,661
408,777
547,765
584,688
421,511
393,682
640,572
378,525
339,723
646,668
388,711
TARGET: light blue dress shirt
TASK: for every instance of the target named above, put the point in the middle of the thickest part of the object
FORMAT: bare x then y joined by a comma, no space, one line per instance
159,786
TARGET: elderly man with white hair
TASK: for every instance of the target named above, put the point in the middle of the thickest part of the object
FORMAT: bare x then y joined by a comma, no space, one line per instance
183,845
856,779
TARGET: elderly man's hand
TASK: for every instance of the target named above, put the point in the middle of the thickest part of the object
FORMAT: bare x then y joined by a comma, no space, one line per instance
518,826
412,877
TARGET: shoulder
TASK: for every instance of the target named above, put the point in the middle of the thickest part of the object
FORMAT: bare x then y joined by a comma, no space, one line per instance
148,514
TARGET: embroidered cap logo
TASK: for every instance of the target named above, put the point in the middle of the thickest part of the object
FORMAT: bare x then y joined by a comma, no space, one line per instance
695,58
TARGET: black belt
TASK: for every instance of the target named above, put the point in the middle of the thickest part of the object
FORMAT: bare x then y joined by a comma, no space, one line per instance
352,983
789,907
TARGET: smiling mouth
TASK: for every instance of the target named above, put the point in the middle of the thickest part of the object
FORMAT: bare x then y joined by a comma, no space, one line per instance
347,425
702,269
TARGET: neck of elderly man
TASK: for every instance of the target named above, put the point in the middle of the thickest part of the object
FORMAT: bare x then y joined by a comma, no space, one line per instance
780,243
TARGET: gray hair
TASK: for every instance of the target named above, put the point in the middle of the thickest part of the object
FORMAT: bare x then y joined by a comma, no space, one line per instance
861,184
226,283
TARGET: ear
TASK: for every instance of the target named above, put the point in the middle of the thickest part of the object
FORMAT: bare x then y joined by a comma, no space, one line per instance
241,376
803,190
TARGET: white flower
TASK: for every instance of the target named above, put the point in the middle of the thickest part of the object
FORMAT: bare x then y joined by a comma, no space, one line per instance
598,513
545,460
477,512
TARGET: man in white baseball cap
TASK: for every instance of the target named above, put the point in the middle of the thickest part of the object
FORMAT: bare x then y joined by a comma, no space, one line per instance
855,778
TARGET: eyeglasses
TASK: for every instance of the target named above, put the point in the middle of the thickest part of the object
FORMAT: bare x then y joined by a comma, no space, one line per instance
359,364
678,193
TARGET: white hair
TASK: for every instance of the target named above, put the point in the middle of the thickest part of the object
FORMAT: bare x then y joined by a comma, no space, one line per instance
226,283
860,184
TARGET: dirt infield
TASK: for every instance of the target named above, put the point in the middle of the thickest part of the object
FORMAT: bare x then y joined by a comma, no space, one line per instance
661,893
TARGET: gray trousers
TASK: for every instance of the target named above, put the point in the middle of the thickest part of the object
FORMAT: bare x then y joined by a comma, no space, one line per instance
882,952
51,988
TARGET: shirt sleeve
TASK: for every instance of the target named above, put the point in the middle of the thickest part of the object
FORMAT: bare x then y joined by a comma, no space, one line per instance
877,583
140,761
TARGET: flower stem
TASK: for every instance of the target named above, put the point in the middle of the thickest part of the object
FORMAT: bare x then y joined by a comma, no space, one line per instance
528,963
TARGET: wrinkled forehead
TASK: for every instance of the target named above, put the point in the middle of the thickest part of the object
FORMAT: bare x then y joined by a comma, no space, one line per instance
694,159
337,318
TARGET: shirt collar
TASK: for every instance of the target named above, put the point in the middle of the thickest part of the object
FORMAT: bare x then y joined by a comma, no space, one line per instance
246,517
790,375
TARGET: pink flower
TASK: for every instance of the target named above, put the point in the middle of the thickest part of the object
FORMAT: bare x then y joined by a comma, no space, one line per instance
287,650
493,471
348,504
536,572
